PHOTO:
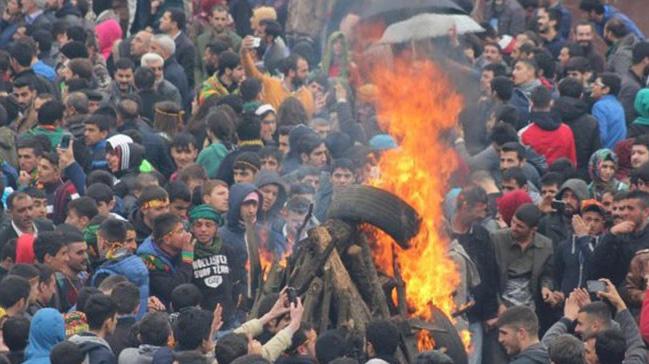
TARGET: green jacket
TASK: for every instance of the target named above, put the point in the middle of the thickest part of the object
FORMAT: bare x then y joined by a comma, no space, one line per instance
53,134
211,157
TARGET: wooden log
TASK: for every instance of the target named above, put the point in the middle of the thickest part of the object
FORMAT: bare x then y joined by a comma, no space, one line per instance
380,306
326,238
347,294
312,300
327,296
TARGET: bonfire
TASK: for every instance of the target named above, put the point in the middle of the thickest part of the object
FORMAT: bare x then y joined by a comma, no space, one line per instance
351,270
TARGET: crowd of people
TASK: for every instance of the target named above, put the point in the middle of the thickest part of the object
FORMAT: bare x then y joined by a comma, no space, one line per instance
143,144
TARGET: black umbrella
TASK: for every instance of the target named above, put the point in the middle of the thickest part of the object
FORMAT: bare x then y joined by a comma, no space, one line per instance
394,10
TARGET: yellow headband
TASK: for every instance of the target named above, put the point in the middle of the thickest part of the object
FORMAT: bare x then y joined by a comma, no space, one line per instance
153,204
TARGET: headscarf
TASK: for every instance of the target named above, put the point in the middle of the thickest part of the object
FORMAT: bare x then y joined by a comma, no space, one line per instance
600,156
641,105
108,32
510,202
327,59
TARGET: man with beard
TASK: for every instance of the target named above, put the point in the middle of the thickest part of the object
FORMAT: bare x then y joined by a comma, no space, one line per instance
518,333
74,274
524,260
584,35
640,151
217,31
295,70
123,84
558,226
21,209
173,23
162,86
211,59
612,256
25,94
226,80
165,47
547,23
466,228
633,80
620,43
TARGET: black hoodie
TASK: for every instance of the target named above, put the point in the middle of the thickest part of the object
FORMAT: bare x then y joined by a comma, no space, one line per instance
585,129
535,354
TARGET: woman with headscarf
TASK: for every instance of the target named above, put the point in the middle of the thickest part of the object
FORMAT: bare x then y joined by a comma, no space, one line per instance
336,61
602,168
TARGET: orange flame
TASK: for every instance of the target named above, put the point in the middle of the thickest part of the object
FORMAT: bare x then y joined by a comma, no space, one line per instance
425,342
416,104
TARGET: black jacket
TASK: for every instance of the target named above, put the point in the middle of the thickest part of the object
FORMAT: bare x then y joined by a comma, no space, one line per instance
224,173
7,231
155,149
631,84
613,255
41,84
124,335
175,74
186,56
557,227
480,248
535,354
585,129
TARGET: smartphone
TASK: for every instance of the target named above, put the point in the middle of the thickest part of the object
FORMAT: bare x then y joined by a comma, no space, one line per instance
292,295
256,42
595,286
558,205
65,141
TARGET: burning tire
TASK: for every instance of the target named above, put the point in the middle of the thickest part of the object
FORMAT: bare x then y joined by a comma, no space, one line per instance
379,208
444,335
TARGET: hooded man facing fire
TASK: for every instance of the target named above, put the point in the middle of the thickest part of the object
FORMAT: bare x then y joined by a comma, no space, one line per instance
471,210
244,212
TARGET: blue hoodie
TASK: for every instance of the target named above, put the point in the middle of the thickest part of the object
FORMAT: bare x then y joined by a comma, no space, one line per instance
47,329
133,268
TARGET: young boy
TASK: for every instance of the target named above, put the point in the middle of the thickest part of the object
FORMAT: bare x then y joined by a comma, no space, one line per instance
120,260
215,194
245,167
184,151
95,132
180,199
271,159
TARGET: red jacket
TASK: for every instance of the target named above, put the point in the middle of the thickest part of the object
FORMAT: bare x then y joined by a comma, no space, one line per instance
644,318
553,139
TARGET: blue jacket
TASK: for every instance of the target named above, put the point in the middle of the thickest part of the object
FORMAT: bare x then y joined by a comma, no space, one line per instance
165,272
131,267
610,117
98,152
611,12
46,330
